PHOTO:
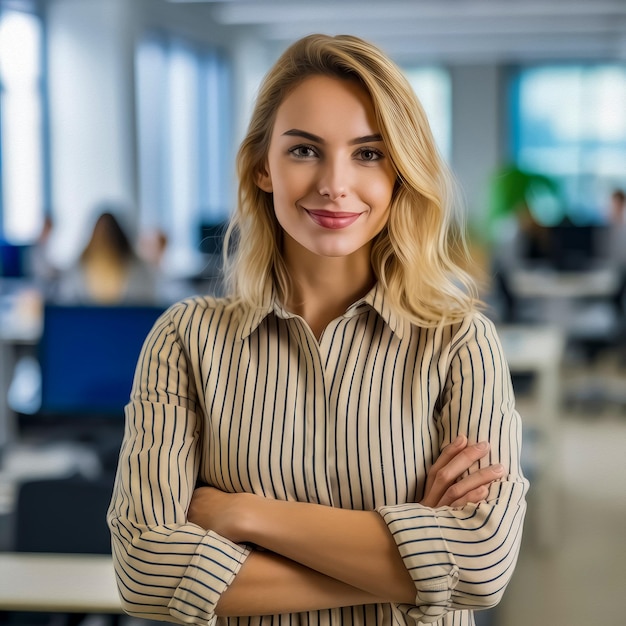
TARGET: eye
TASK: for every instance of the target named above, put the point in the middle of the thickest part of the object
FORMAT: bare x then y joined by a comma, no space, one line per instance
303,152
370,154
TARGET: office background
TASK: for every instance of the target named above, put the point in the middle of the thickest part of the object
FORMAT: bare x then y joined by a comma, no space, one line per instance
137,106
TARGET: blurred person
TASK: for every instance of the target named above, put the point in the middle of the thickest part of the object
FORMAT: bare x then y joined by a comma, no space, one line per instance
108,271
616,222
617,217
617,214
336,441
153,249
152,246
42,267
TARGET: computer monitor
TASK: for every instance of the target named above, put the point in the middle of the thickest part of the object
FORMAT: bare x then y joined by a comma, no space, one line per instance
14,260
577,248
212,237
88,356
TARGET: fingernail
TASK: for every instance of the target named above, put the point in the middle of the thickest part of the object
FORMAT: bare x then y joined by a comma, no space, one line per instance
457,441
498,468
483,445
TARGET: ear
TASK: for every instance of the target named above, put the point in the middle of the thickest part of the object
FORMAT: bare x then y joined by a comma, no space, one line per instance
264,180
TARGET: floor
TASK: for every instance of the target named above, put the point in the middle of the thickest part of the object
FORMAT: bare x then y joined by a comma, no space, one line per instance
581,581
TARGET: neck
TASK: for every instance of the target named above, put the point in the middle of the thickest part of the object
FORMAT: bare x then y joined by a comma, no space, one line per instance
324,287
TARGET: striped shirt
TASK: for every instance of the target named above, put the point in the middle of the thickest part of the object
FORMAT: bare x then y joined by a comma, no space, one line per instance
250,400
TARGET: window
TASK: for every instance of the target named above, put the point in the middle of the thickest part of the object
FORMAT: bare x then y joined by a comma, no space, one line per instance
184,131
433,88
570,124
22,188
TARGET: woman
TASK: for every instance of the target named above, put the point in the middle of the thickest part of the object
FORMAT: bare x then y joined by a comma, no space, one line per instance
108,271
335,443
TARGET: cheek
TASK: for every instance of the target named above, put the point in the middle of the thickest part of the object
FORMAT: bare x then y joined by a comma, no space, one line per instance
381,191
291,186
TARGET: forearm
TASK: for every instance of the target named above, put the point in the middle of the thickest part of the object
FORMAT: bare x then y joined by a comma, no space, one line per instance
269,584
354,547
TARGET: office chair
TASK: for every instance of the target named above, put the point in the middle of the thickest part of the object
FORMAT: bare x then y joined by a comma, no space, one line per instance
73,512
63,515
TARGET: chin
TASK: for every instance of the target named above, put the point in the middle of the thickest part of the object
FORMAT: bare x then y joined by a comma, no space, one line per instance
334,252
328,245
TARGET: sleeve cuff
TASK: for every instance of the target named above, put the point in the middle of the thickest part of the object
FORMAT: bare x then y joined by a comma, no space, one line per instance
426,556
211,570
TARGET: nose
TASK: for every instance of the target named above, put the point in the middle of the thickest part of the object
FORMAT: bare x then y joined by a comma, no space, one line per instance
333,182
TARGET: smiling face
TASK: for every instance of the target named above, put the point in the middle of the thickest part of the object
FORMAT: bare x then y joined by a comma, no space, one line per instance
328,170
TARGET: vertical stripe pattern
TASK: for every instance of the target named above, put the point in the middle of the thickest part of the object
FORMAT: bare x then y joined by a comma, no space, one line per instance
252,401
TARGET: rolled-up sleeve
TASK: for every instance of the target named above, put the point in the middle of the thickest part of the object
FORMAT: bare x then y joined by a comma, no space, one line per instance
463,558
166,568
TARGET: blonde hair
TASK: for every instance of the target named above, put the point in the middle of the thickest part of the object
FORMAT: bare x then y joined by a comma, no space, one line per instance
418,256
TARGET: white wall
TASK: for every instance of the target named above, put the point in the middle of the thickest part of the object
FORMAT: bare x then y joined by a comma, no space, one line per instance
478,129
90,51
91,132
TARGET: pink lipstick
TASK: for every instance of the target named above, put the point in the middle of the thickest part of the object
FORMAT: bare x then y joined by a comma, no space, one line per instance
333,219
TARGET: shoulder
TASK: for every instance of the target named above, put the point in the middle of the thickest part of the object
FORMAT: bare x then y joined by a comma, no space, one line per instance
475,327
470,327
475,332
198,316
474,346
203,308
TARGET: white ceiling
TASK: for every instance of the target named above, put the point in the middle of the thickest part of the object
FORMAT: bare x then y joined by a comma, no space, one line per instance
446,30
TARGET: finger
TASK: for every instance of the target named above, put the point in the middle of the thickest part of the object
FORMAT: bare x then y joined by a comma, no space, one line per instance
449,452
481,478
462,462
474,497
448,475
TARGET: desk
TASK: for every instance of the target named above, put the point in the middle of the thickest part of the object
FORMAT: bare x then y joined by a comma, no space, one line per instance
593,283
583,303
539,350
67,583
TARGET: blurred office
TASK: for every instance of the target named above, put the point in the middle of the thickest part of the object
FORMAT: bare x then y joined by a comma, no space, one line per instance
134,110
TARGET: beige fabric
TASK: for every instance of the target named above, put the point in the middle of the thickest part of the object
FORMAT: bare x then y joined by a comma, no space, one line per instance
251,401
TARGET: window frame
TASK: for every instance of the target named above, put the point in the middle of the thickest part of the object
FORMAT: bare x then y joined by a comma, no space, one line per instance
443,139
209,188
591,207
33,9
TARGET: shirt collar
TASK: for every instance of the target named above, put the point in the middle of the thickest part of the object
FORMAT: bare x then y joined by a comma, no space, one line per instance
374,299
377,300
252,317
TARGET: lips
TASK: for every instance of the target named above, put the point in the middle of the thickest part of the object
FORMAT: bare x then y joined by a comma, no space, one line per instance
333,219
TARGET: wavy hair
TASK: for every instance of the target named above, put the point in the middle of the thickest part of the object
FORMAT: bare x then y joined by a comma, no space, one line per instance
420,255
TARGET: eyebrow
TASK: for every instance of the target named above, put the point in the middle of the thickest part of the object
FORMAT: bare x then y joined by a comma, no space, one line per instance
295,132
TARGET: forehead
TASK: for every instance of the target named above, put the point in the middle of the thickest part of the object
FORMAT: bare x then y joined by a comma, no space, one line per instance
324,104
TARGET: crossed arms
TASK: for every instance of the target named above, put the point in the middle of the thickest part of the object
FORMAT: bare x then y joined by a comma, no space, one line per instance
318,557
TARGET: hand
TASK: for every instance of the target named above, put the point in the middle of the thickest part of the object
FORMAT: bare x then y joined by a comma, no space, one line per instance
219,511
443,487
